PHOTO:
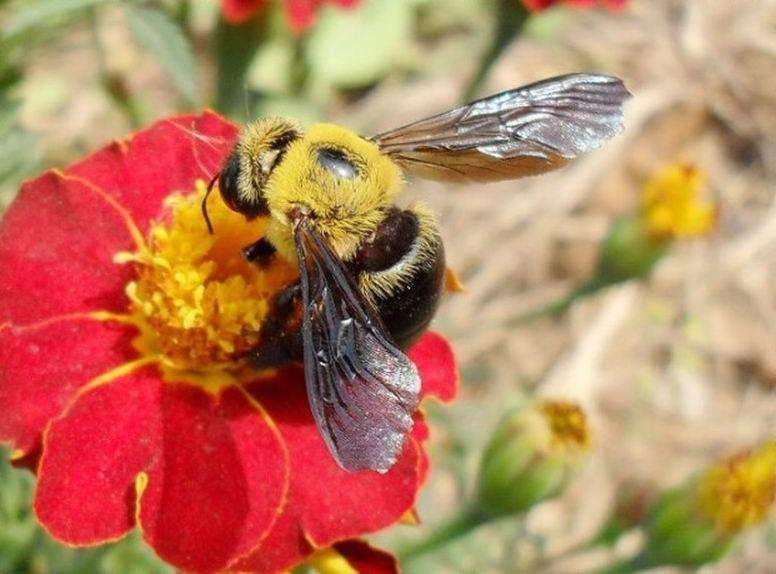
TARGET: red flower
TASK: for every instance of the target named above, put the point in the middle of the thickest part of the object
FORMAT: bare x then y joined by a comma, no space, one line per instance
113,383
300,13
539,5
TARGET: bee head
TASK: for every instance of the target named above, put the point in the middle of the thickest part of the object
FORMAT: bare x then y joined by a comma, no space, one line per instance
341,181
259,148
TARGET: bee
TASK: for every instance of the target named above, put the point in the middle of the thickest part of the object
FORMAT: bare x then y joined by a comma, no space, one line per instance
371,273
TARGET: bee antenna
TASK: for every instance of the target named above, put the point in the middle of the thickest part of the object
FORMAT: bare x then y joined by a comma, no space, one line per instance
204,203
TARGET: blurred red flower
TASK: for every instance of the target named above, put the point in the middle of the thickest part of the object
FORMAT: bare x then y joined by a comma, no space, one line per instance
217,472
539,5
299,13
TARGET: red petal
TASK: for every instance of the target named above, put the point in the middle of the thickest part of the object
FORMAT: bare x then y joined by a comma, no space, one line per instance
42,367
220,483
301,14
420,432
539,5
58,238
366,559
325,503
169,156
57,242
85,492
347,4
239,11
436,363
216,471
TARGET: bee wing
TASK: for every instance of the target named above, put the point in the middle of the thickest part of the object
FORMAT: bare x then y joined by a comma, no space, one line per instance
526,131
362,389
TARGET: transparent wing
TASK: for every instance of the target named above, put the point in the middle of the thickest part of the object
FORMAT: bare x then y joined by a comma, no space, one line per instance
362,389
526,131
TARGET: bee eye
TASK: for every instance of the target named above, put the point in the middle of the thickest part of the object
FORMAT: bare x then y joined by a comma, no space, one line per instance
245,201
337,163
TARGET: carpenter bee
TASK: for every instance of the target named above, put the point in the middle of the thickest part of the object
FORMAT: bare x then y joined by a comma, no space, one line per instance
371,273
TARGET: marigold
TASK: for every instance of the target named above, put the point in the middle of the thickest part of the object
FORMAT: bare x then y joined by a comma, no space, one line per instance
699,522
533,455
118,317
673,203
299,13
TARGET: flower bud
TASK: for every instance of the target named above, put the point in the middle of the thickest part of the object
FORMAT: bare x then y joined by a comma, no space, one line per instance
629,251
672,208
698,522
533,454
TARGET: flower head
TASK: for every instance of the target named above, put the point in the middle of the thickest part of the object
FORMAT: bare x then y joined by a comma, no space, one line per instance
673,206
299,13
539,5
739,492
698,522
120,318
532,456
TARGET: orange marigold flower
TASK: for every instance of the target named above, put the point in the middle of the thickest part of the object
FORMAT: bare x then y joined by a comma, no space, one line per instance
539,5
299,13
118,316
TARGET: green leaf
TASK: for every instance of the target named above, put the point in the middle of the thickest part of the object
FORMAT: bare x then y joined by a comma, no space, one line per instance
161,37
36,12
355,48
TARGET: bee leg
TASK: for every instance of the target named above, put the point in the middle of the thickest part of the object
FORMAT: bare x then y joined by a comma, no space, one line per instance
259,252
281,343
277,352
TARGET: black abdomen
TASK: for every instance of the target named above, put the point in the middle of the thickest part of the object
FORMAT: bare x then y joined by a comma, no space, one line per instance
402,270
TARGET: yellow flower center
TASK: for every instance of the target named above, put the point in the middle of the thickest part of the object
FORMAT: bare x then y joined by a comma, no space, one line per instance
198,302
567,424
740,491
673,206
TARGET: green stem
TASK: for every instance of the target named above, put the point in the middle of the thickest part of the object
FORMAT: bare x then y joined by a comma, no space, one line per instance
113,84
458,526
183,16
511,16
234,48
543,563
562,304
639,562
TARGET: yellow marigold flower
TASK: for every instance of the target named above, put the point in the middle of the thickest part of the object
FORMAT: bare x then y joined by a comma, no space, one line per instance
673,206
739,492
698,522
533,454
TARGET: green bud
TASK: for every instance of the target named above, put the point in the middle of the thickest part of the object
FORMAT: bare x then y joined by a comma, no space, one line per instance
699,521
630,251
533,454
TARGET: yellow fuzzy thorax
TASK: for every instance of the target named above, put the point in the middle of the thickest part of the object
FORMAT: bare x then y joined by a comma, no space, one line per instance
344,211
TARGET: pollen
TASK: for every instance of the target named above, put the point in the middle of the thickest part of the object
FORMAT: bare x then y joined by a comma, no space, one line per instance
568,425
739,492
199,304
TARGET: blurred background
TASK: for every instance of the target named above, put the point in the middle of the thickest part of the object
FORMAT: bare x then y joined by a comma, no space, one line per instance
675,368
